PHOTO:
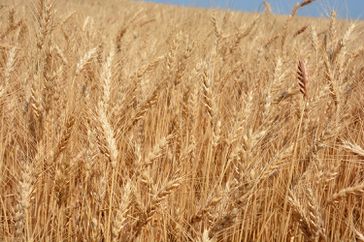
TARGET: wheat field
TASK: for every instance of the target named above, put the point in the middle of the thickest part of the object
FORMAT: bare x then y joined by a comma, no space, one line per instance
131,121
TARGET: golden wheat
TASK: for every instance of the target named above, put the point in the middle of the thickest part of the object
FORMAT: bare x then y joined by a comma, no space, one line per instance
126,121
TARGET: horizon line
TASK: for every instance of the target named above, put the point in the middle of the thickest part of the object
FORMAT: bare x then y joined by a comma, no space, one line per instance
311,11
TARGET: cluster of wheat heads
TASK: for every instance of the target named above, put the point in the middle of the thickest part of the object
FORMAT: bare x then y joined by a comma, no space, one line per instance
138,122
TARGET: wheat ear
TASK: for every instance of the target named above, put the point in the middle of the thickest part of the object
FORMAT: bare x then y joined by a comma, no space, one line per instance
354,148
356,190
121,213
158,150
88,56
64,138
300,5
153,206
25,190
302,78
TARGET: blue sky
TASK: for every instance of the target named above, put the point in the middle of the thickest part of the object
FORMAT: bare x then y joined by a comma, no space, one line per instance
352,9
